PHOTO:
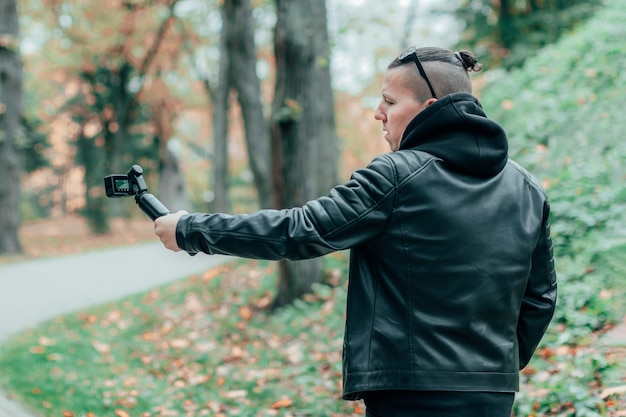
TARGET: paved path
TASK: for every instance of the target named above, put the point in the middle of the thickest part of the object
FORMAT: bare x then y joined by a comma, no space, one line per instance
37,290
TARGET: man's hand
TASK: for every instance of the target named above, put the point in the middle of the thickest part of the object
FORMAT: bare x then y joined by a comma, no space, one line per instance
165,229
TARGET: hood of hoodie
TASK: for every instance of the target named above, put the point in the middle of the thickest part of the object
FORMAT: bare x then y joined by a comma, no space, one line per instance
456,129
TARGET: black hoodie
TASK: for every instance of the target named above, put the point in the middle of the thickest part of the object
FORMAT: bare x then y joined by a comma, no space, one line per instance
456,129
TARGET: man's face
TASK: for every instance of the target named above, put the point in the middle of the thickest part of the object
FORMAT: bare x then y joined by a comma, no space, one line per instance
398,105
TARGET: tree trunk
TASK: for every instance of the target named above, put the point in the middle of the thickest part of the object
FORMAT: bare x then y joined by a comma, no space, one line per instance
505,23
124,103
320,127
116,138
103,155
243,77
172,191
220,125
91,156
409,24
11,82
303,125
237,69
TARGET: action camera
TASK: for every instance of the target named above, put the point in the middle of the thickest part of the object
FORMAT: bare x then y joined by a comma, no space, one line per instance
133,184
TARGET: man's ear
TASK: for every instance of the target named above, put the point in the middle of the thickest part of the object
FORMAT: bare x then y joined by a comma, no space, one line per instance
430,101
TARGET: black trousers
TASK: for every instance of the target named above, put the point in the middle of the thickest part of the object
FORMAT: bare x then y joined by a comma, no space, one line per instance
438,404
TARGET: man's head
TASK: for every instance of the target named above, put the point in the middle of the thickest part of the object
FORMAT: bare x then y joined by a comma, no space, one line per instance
415,80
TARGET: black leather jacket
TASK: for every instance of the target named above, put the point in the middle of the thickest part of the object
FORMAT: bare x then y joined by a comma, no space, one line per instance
452,281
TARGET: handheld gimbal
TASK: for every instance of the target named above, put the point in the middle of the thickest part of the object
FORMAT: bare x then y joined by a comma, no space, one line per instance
133,183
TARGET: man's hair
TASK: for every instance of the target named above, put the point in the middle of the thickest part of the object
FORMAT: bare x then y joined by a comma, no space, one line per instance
447,71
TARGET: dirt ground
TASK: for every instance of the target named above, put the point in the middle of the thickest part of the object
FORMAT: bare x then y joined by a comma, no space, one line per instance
69,235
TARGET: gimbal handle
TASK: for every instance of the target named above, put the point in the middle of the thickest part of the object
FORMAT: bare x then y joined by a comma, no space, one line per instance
151,205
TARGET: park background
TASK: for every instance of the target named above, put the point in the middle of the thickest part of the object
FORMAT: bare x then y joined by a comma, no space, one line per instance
109,84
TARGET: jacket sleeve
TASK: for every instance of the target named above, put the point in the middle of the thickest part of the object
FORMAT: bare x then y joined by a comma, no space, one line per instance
539,299
350,214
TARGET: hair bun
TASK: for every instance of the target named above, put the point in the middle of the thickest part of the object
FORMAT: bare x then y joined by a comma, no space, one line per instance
468,61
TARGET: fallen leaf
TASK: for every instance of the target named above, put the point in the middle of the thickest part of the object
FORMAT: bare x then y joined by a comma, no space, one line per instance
179,343
130,381
212,273
37,349
613,390
238,393
199,379
245,313
44,341
100,347
358,408
282,403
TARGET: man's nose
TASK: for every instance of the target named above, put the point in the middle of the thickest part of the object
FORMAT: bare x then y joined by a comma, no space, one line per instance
378,114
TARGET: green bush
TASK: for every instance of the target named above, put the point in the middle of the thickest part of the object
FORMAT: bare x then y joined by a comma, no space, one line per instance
563,113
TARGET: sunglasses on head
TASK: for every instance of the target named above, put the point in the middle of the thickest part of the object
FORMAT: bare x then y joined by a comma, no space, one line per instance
410,54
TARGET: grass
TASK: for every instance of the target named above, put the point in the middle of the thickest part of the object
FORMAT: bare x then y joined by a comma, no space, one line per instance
201,346
206,346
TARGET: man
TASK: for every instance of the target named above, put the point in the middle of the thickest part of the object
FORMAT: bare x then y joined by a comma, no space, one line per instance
452,281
